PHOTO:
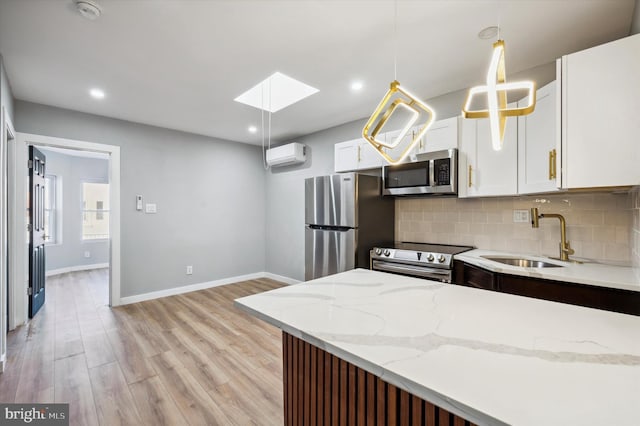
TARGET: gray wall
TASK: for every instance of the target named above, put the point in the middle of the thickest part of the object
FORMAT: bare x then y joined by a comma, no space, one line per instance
6,96
209,193
285,199
285,186
635,23
71,171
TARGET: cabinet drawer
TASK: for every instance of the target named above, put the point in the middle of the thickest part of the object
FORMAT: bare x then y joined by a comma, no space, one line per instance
478,278
608,299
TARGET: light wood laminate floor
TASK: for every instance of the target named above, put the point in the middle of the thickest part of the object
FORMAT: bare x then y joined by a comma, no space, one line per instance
191,359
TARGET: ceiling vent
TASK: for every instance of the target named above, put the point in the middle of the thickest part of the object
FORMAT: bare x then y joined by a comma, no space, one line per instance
88,9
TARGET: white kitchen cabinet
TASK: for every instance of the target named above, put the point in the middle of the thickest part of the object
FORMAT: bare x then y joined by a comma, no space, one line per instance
539,152
443,134
483,171
600,115
346,156
396,152
357,154
368,157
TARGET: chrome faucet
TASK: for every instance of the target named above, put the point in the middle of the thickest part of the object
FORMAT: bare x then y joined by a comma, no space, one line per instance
565,246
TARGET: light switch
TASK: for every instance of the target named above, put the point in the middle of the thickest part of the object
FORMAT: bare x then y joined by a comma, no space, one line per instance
150,208
139,202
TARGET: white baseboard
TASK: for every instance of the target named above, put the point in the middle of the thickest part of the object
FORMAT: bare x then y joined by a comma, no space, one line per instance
76,269
281,278
201,286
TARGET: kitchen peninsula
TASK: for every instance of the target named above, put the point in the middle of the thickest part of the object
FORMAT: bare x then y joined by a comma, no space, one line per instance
364,344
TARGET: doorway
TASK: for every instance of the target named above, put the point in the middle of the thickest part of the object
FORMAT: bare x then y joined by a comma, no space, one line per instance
7,137
75,217
19,274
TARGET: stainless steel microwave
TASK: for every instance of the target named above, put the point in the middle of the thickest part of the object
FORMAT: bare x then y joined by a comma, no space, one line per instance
434,173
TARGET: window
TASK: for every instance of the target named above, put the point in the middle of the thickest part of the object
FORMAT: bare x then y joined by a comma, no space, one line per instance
51,210
95,211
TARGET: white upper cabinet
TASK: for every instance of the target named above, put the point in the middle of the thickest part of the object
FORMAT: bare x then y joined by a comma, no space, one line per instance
357,154
601,115
538,145
443,134
483,171
346,156
368,157
395,152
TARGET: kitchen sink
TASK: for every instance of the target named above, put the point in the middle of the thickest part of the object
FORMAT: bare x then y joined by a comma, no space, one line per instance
522,262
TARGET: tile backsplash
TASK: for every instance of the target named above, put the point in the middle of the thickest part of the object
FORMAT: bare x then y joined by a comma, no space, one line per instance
600,226
635,228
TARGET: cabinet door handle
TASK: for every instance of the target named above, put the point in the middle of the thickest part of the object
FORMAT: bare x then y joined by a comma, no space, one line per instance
469,175
552,164
359,147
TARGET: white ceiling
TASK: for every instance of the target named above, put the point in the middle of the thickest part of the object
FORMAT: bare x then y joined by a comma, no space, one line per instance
180,63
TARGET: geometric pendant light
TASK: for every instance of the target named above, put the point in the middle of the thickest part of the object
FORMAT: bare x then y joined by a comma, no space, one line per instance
496,91
395,99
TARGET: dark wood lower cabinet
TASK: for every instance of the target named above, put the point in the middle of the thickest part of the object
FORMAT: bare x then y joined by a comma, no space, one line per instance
608,299
471,276
322,389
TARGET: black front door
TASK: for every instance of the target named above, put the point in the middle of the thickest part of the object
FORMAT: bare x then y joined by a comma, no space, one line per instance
36,243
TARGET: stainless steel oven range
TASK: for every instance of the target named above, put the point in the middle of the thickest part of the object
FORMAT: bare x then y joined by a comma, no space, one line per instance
431,261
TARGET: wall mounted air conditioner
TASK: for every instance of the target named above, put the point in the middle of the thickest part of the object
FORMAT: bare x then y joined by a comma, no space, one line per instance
285,155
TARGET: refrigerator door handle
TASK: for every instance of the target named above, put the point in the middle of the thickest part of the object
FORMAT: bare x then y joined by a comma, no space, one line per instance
330,228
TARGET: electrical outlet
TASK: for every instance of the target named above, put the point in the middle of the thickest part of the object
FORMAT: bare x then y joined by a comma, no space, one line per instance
521,216
189,270
87,254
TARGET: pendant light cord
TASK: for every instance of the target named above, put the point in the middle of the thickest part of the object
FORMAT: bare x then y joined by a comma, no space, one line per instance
499,21
395,40
264,151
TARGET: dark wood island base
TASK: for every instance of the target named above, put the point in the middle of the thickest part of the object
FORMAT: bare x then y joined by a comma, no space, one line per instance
322,389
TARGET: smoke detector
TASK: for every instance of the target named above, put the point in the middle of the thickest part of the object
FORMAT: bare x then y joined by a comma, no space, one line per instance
88,9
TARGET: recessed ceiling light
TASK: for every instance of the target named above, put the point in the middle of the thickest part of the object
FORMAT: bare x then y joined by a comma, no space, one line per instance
489,33
357,86
276,92
97,93
252,129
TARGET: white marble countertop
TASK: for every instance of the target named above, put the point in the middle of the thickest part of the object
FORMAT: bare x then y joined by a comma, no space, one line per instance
598,274
489,357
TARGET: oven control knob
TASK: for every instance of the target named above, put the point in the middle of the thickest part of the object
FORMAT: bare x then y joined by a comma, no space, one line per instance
430,257
378,251
441,258
387,252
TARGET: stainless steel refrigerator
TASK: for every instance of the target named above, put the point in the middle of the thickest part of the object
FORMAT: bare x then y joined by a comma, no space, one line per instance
345,216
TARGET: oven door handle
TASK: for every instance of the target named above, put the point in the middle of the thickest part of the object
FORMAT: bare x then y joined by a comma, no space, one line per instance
408,269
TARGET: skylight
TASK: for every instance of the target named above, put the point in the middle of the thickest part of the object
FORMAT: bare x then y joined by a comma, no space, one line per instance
276,92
